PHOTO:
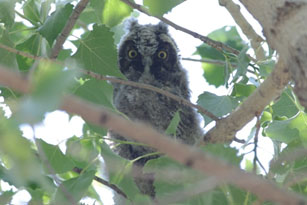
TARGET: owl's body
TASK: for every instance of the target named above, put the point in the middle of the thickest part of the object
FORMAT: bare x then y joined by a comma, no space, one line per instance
147,54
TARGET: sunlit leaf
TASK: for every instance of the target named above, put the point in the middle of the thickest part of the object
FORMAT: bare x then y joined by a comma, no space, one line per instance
114,12
160,7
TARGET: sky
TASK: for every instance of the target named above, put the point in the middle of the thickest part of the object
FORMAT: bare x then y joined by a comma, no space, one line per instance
197,15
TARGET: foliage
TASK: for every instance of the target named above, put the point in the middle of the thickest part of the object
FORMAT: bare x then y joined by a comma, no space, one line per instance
47,173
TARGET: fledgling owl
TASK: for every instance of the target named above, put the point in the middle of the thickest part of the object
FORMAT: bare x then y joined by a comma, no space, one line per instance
148,54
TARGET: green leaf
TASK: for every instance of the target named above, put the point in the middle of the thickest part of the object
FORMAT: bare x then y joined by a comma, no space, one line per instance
172,127
7,58
31,46
97,52
6,197
289,130
214,74
92,87
50,82
160,7
114,12
120,171
242,90
7,13
243,62
89,90
58,162
170,176
97,6
265,68
82,151
30,10
23,168
286,105
228,35
218,105
224,152
55,23
72,190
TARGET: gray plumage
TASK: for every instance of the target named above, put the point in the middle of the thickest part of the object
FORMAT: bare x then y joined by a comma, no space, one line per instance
148,54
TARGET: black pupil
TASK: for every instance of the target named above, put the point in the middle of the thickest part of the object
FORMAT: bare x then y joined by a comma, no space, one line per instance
162,54
132,53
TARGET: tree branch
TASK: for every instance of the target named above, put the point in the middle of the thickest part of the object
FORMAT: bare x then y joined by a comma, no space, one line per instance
284,26
247,29
104,182
226,128
124,82
185,154
67,29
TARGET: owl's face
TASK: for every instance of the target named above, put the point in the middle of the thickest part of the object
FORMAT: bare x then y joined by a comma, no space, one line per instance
148,53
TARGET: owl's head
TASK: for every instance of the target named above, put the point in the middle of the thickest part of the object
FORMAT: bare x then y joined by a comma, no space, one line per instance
147,52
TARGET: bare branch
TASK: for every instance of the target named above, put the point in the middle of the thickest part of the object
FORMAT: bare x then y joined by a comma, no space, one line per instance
104,182
185,154
226,128
247,29
124,82
68,27
210,61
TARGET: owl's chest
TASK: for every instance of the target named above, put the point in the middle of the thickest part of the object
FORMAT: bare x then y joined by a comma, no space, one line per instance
144,105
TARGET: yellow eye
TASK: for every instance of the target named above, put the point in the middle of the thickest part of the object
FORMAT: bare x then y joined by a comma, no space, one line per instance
162,54
132,53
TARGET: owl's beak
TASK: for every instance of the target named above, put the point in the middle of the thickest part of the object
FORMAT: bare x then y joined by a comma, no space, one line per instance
147,62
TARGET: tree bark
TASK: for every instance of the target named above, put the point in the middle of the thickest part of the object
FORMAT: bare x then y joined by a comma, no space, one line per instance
284,26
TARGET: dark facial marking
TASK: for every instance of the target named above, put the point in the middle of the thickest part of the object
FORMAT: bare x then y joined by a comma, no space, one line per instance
129,57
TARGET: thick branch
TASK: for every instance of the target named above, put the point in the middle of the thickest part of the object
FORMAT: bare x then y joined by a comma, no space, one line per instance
182,153
284,25
247,29
226,128
67,29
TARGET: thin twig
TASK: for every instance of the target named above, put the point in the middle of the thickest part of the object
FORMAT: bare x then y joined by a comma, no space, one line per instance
124,82
67,28
256,145
104,182
210,61
214,44
216,62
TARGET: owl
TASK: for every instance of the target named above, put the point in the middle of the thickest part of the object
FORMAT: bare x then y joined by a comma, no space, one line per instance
148,54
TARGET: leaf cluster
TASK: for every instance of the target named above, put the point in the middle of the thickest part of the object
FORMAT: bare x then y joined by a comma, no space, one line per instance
47,173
